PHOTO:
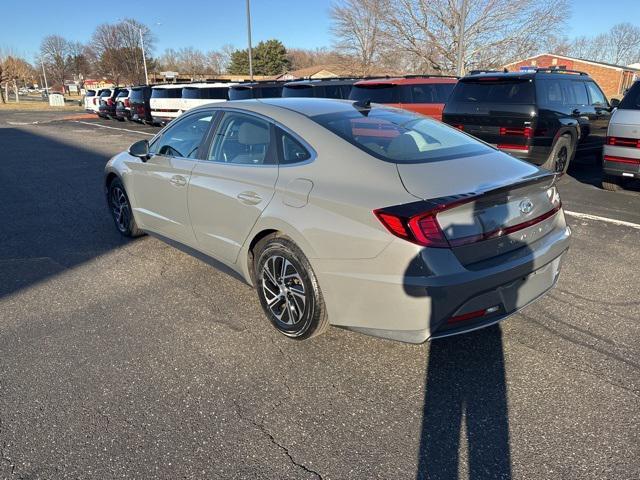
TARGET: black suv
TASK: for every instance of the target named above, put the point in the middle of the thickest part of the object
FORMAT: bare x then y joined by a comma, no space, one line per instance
243,91
543,116
139,98
339,88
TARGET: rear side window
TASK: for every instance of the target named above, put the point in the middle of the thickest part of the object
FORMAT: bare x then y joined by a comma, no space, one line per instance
514,91
292,150
631,100
427,93
242,139
376,93
106,93
298,91
90,93
595,94
213,93
399,136
166,93
558,92
579,93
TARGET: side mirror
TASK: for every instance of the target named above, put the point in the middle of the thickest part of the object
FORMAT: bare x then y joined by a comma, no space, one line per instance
140,149
615,102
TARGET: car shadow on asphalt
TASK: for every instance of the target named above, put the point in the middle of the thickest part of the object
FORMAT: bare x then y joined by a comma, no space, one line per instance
465,395
53,207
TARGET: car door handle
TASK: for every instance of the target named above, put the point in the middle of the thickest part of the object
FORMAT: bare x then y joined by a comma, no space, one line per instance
576,112
249,198
178,180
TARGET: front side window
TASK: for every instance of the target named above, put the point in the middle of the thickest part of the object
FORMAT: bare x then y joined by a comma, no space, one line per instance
242,139
596,95
400,137
183,138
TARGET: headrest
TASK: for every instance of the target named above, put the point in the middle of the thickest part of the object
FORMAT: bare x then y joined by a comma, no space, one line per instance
252,134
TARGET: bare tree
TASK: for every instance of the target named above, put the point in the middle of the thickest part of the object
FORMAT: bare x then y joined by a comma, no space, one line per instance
495,31
14,72
55,54
624,44
357,27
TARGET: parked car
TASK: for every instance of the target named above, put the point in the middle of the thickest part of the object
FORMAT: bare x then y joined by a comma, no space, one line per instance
108,97
197,94
139,98
244,91
422,94
123,107
166,103
543,116
89,97
325,88
621,155
348,214
93,103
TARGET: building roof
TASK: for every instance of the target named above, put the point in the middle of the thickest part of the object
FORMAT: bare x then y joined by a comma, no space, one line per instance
576,59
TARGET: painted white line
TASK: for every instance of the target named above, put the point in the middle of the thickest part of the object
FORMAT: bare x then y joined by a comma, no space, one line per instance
587,216
114,128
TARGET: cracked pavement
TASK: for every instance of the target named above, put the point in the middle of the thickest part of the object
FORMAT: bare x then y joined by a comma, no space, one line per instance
130,359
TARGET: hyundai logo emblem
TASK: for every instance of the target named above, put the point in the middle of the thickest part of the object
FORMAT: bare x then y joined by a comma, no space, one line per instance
526,206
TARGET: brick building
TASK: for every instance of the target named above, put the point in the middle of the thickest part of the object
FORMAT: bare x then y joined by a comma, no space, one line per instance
613,79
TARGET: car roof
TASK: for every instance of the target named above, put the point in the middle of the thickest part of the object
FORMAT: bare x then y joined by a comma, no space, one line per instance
208,85
525,74
321,82
251,85
409,80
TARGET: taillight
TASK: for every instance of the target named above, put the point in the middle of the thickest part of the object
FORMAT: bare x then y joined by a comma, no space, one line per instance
632,161
140,109
127,103
422,229
517,131
510,146
623,142
95,100
110,102
459,127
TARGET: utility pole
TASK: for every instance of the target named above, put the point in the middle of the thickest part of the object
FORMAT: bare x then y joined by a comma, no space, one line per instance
46,85
144,57
463,19
249,36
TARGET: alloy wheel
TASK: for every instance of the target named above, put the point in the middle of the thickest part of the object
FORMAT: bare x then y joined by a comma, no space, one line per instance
561,160
283,290
120,208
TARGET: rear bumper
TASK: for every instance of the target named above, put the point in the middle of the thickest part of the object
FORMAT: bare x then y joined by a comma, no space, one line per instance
535,154
418,302
624,161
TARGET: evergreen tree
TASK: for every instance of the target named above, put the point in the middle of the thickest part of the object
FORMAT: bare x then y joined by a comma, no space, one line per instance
269,58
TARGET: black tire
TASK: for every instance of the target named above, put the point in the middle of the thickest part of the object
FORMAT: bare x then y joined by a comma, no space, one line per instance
120,209
296,297
560,156
612,183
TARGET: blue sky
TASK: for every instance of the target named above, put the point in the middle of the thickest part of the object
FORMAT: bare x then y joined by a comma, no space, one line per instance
209,24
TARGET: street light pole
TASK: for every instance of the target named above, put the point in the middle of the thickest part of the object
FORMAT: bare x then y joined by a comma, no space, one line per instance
46,85
249,36
463,19
144,57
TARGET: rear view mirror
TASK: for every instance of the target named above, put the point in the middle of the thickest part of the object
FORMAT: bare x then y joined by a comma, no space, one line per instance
614,102
140,149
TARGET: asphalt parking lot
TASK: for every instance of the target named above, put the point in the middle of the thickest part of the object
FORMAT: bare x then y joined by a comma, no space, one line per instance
130,359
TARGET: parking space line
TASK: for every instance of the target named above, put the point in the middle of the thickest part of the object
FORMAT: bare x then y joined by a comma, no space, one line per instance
587,216
114,128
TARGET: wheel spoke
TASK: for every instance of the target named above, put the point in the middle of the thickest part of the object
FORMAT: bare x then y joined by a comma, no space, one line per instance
283,290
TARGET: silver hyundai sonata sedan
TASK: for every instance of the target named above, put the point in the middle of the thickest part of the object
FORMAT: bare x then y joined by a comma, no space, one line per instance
350,214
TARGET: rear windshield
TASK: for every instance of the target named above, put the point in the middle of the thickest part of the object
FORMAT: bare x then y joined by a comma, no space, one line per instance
376,93
240,93
166,93
298,91
400,137
90,93
244,93
137,95
486,90
122,94
340,92
217,93
106,93
631,100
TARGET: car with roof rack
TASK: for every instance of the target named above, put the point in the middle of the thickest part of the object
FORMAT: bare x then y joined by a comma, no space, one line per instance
541,115
338,88
165,102
196,94
621,154
244,91
425,94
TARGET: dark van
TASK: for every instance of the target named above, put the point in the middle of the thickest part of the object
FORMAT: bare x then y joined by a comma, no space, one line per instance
139,102
543,116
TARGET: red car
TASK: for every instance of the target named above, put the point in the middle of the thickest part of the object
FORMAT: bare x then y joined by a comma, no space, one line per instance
423,94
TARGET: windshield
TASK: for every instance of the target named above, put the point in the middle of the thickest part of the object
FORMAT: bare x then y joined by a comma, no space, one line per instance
631,100
106,93
500,90
137,95
399,136
166,93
